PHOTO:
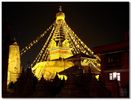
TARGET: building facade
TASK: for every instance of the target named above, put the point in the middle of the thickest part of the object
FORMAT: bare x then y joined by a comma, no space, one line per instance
115,66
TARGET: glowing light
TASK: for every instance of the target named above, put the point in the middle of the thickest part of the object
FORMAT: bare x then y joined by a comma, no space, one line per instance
62,77
110,76
60,16
97,77
114,75
35,41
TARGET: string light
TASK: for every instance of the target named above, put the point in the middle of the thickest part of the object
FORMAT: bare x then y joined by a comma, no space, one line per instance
24,50
84,49
81,43
69,39
42,50
73,44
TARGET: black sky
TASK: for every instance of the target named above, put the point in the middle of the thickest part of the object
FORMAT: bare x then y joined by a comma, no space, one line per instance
95,23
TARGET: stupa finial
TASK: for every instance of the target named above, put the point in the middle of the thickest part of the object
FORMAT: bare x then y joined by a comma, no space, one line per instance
60,8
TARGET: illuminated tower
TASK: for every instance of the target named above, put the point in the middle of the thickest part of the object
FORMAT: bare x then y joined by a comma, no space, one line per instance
14,68
61,45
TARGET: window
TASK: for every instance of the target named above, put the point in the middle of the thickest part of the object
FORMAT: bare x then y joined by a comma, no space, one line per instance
114,75
110,76
112,61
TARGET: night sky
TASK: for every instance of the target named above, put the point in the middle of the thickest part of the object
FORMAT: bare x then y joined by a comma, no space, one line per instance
95,23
